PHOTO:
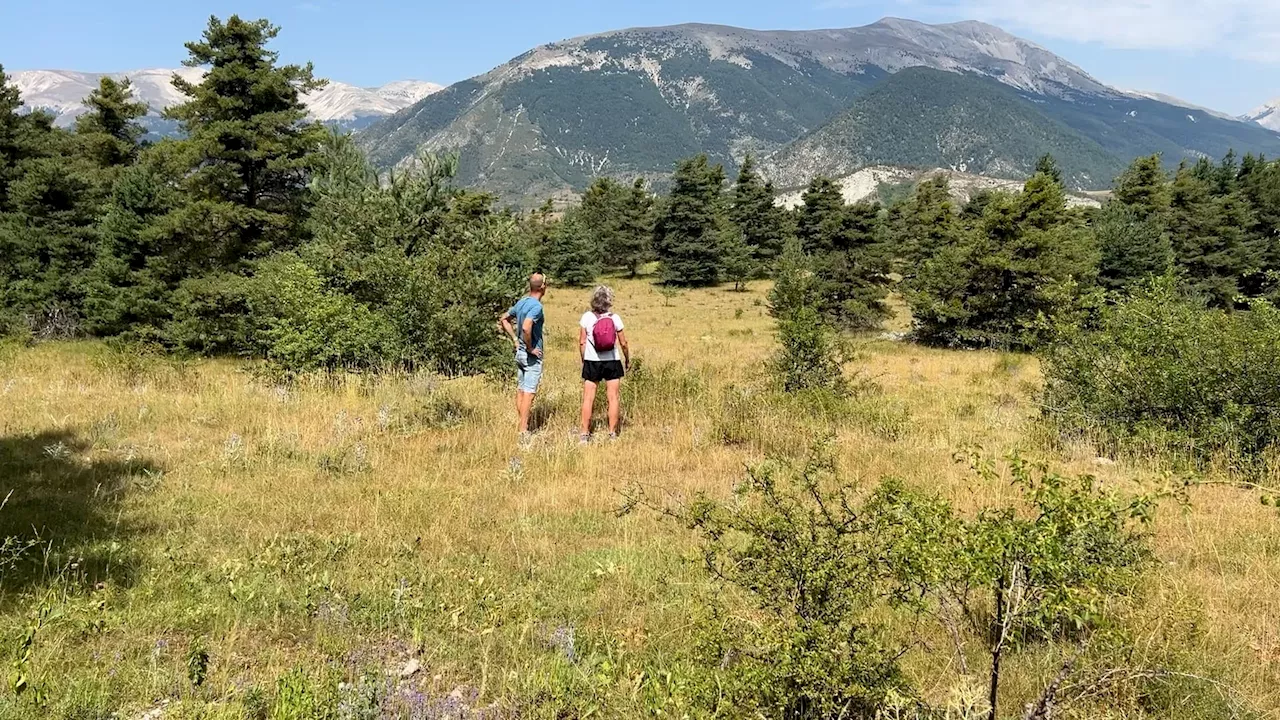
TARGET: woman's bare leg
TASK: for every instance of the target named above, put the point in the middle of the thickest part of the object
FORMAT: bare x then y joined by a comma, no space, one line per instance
588,403
613,389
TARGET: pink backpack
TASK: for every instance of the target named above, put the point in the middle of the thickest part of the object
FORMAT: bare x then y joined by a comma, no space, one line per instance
604,335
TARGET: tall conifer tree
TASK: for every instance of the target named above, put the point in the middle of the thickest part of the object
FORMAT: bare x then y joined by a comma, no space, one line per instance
752,209
249,143
689,232
635,229
109,132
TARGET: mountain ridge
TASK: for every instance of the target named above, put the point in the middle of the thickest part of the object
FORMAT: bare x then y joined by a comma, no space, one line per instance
630,103
839,51
63,92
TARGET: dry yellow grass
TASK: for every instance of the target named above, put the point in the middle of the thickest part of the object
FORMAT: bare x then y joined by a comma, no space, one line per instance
354,523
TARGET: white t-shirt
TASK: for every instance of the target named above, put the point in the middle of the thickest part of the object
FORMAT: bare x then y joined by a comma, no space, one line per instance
587,323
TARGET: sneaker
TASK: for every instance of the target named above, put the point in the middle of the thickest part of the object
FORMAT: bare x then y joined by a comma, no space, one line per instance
584,439
526,439
613,436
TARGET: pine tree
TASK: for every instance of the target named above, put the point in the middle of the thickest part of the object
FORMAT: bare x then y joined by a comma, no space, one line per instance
738,264
635,231
109,132
571,256
602,216
10,123
48,206
1226,176
820,219
52,234
248,142
927,225
1047,165
856,272
688,233
758,218
1132,249
991,288
194,215
538,226
1144,187
138,263
971,213
843,244
1208,237
1043,203
1260,186
795,284
22,135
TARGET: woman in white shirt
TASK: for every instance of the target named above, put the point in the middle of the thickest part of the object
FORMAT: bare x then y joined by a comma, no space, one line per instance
606,357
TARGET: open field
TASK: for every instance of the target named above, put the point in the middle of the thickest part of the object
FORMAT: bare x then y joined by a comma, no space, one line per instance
343,527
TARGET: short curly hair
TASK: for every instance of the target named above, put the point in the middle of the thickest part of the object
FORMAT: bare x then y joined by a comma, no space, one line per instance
602,299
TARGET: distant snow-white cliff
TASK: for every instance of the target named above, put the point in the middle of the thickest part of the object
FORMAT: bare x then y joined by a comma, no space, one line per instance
1268,116
62,92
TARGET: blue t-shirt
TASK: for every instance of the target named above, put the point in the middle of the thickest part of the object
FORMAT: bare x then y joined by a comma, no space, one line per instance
527,307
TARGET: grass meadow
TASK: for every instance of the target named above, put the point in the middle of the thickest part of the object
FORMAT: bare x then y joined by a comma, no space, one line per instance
198,541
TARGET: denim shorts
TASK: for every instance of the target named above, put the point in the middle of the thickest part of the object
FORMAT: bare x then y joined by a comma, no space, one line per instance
528,374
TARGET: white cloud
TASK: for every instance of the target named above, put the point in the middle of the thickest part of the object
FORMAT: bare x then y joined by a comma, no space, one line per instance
1245,29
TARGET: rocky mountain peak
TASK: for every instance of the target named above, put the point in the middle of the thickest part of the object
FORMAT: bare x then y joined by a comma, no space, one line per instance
1268,115
630,103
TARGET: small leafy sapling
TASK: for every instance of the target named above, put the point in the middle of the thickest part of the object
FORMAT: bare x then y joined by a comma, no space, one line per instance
1046,566
802,550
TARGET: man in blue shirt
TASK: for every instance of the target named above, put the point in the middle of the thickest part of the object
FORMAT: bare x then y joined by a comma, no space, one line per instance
523,324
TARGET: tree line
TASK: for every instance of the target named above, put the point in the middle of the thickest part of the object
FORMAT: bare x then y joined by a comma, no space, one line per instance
986,272
259,233
1154,315
255,232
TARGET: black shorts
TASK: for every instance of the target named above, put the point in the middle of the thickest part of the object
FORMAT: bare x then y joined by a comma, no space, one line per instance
598,371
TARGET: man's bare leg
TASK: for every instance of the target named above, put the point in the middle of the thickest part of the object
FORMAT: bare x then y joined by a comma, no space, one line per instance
524,406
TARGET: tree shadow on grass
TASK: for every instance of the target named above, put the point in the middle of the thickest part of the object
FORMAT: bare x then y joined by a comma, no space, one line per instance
61,507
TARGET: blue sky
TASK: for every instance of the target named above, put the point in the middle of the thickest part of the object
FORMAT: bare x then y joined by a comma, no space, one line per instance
1221,53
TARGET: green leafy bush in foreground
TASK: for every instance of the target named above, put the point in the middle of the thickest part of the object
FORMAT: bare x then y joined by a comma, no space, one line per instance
1160,373
814,567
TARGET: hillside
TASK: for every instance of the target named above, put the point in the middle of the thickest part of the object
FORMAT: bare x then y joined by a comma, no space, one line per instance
929,118
62,93
1129,126
632,102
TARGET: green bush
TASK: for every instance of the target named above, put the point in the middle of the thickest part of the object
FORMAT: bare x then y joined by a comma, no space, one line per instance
409,273
811,354
1159,372
303,326
823,565
299,697
438,263
211,314
816,649
795,284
